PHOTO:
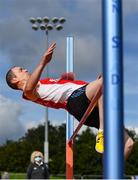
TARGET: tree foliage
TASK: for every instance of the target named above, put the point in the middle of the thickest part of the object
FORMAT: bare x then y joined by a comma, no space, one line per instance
15,155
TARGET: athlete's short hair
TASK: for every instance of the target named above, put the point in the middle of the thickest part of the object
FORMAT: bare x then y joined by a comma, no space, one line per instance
9,76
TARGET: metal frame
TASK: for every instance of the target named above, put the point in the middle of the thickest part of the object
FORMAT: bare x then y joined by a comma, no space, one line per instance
113,89
70,119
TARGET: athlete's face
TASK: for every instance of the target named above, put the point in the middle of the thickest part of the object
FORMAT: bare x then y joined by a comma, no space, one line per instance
20,73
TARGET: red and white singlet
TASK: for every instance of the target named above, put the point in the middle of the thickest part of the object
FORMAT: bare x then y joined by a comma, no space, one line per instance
55,92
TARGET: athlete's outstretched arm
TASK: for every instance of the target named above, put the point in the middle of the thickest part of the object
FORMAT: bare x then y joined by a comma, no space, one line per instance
35,76
69,76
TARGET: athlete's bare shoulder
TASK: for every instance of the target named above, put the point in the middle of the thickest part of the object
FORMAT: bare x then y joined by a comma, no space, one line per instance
32,95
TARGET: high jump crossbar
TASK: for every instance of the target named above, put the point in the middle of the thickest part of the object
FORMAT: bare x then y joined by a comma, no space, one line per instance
70,135
87,112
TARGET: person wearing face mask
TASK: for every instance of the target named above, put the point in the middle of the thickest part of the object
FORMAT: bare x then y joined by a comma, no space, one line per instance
37,169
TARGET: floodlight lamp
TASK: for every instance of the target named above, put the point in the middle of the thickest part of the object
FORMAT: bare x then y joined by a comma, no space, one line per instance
54,19
59,27
39,19
49,27
42,27
34,27
62,20
46,19
32,20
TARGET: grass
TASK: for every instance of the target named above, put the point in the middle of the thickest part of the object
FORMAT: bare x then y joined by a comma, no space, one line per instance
23,176
17,175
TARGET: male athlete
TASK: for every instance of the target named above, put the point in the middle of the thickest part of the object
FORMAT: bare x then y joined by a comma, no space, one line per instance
65,92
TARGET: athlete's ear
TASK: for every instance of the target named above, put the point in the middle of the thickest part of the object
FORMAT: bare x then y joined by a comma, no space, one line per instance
14,80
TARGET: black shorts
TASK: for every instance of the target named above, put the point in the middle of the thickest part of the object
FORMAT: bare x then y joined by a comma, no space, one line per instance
77,105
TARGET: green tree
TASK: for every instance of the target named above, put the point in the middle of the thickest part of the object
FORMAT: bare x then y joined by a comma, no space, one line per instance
86,160
15,155
57,141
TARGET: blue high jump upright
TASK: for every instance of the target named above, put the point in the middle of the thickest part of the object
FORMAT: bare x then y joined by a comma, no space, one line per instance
70,119
113,89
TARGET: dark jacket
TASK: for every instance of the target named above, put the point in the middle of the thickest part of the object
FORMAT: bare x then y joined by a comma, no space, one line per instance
35,171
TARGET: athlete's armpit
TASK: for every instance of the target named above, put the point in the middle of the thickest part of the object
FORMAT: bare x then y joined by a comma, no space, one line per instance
33,95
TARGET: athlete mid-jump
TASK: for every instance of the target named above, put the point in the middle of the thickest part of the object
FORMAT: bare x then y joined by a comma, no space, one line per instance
65,92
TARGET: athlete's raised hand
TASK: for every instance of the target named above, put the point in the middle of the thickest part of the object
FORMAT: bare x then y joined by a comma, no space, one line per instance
47,56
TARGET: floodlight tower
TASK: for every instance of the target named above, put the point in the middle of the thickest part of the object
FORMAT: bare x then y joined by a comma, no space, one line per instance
47,24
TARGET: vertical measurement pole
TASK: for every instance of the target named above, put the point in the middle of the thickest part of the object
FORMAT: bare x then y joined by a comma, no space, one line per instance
69,123
113,89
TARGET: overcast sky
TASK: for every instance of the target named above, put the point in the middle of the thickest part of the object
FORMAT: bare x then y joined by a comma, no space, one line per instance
21,46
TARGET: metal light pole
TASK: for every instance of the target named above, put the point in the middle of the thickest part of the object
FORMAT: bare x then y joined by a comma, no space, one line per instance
47,24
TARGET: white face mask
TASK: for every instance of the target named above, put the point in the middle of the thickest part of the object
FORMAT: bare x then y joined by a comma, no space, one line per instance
38,158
